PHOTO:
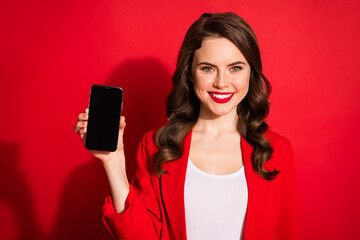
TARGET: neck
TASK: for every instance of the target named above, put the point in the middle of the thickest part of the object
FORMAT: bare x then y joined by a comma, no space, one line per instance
217,124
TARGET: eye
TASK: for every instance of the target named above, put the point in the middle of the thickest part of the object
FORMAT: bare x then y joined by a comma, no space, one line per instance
235,68
207,69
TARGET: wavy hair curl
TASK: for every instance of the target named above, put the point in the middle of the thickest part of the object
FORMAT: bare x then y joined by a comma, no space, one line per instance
183,106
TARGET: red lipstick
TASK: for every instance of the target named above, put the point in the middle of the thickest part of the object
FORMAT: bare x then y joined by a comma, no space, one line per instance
221,97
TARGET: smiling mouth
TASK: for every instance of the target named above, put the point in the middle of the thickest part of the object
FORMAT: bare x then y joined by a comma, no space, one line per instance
219,97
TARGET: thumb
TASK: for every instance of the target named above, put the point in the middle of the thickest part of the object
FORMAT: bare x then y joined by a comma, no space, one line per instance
122,124
121,133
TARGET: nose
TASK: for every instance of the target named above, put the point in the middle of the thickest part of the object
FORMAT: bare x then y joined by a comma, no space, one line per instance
220,80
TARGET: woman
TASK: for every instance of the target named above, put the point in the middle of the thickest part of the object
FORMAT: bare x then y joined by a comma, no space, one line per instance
214,171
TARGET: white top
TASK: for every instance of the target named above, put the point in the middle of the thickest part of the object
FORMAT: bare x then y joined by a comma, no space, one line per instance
215,205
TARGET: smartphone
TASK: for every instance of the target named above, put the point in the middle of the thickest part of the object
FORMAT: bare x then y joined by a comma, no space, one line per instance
105,106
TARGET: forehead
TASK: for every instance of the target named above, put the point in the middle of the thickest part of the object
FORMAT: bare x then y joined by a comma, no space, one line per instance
218,50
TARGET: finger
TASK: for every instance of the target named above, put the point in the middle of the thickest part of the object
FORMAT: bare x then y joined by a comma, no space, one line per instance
79,126
83,116
120,145
87,110
122,122
82,134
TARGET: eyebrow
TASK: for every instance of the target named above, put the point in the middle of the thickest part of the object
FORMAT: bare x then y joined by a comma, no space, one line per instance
210,64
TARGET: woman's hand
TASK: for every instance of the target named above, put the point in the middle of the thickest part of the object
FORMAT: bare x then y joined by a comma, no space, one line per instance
81,128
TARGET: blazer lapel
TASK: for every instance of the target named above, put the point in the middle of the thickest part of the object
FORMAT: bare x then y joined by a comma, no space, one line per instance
172,189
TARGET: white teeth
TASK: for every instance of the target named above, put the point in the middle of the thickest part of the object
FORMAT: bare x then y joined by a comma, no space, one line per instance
221,96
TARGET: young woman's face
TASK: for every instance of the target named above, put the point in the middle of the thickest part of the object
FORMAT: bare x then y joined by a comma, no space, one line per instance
220,74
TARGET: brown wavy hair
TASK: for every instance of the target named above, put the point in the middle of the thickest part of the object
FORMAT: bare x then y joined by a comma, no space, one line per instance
183,106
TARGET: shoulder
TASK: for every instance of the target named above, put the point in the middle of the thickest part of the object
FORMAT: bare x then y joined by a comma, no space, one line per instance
150,134
147,149
282,158
277,141
148,140
283,153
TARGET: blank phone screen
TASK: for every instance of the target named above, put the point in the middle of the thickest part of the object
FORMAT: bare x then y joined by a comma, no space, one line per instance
104,117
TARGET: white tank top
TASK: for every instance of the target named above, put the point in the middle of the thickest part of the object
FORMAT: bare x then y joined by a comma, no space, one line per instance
215,205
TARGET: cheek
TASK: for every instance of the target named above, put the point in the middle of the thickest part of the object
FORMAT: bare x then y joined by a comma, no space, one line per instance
242,87
242,83
202,82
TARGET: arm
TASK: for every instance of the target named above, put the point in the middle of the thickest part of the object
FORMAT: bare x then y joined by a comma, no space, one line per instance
141,218
130,213
119,184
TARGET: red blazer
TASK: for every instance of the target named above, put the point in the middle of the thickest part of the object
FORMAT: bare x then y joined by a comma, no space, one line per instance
154,208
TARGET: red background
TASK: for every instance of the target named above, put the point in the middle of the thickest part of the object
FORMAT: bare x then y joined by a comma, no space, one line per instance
51,52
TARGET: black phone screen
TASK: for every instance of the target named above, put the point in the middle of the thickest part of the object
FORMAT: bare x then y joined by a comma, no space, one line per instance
104,118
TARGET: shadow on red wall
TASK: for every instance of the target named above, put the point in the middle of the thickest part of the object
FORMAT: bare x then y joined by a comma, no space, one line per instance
145,83
14,193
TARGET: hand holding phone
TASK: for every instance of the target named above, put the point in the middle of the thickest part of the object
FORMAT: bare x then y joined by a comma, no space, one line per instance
108,144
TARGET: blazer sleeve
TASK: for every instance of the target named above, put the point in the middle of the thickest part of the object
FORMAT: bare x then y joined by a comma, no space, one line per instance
141,218
287,225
